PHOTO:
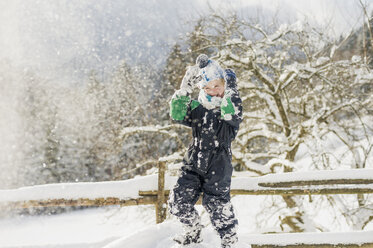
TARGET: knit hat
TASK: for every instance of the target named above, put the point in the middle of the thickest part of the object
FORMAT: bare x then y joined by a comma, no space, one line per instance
210,70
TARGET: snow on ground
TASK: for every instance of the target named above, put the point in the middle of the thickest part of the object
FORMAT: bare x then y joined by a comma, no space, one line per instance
134,227
91,228
160,236
111,227
95,228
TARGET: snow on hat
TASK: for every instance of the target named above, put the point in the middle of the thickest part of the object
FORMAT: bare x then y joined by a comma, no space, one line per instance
210,70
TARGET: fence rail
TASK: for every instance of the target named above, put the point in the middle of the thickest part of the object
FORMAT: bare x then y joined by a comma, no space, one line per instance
83,202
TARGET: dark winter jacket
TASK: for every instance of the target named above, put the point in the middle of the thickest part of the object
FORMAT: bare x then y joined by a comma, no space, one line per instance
213,130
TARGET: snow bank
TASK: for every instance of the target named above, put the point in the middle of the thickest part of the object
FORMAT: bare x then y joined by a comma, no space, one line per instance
89,228
155,236
160,236
357,237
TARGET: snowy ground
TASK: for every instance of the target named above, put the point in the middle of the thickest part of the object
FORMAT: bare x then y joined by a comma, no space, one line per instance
160,236
100,227
84,228
133,227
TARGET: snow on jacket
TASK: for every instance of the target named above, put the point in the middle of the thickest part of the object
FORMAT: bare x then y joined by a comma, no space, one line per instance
213,130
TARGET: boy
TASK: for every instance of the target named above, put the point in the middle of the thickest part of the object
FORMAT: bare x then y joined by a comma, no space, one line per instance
214,120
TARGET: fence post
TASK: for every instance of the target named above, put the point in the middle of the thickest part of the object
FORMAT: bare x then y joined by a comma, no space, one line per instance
161,208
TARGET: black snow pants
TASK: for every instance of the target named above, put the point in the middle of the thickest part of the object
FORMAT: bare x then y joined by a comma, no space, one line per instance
215,186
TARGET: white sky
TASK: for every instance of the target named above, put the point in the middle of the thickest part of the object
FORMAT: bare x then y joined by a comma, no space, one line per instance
335,16
339,16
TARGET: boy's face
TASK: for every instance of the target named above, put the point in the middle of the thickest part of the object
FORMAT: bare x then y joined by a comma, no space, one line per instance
215,88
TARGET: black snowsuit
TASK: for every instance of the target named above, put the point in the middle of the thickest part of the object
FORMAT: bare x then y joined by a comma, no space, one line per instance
207,164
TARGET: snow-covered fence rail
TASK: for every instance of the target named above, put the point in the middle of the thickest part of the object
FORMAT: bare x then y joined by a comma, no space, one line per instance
123,193
146,190
358,181
154,189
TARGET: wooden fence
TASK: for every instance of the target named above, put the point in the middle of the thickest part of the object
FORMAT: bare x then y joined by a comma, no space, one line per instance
159,198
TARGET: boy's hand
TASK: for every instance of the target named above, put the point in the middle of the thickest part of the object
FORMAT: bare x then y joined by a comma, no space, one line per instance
190,79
